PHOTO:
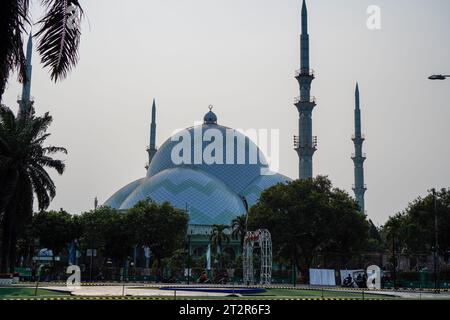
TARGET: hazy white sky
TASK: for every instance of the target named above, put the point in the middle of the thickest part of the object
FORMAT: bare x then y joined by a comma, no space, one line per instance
240,56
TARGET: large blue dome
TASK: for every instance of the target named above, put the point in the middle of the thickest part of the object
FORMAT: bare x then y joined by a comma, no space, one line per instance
245,164
213,191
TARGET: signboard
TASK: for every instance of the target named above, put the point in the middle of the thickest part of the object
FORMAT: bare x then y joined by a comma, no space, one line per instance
45,258
91,252
24,272
147,252
45,253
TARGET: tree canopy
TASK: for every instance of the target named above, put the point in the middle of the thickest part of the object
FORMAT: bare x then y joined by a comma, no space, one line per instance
55,229
414,229
162,228
307,217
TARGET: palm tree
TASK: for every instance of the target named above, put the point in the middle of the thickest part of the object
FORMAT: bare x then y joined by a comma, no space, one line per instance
58,34
23,175
239,227
218,237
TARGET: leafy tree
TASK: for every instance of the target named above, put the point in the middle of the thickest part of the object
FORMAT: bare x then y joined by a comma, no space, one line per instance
218,237
414,228
177,260
59,36
375,241
23,175
239,227
105,229
307,217
162,228
55,230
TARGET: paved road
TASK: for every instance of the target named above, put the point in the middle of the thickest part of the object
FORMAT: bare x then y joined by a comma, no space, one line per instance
130,291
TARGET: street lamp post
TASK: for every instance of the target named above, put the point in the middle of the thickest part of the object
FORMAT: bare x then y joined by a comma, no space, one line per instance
436,244
394,263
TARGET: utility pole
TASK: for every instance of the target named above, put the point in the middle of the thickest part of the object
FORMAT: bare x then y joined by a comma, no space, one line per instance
436,244
188,249
394,262
189,258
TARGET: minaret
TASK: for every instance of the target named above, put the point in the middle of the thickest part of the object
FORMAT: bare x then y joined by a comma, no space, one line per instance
358,157
25,101
152,147
305,144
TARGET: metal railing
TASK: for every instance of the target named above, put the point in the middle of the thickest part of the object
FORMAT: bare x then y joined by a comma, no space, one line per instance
364,156
305,72
298,145
302,100
19,98
363,137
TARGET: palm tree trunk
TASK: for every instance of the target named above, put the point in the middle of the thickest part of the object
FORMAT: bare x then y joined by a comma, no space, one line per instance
159,271
8,236
5,248
12,250
8,187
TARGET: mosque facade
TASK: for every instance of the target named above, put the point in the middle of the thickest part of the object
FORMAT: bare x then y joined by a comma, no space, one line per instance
215,193
211,193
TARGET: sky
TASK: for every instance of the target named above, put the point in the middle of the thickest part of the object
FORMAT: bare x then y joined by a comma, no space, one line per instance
240,56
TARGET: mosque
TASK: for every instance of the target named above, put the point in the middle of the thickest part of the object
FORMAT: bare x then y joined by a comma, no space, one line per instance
212,194
217,193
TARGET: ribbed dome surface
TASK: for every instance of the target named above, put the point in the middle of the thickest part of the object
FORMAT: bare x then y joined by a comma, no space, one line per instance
209,201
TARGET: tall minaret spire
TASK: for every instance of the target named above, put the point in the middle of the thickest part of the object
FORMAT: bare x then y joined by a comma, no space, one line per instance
358,157
25,101
304,38
152,147
305,143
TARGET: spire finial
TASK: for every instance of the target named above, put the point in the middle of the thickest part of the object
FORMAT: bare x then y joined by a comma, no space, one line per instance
210,117
154,111
304,18
357,96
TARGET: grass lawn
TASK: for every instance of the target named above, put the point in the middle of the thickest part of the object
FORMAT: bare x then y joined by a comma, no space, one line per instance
270,294
293,294
6,293
299,294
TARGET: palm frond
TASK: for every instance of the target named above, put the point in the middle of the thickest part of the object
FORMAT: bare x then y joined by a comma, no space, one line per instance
58,165
53,150
13,18
59,36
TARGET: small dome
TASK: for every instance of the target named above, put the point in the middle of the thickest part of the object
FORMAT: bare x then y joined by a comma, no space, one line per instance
253,191
115,201
210,117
